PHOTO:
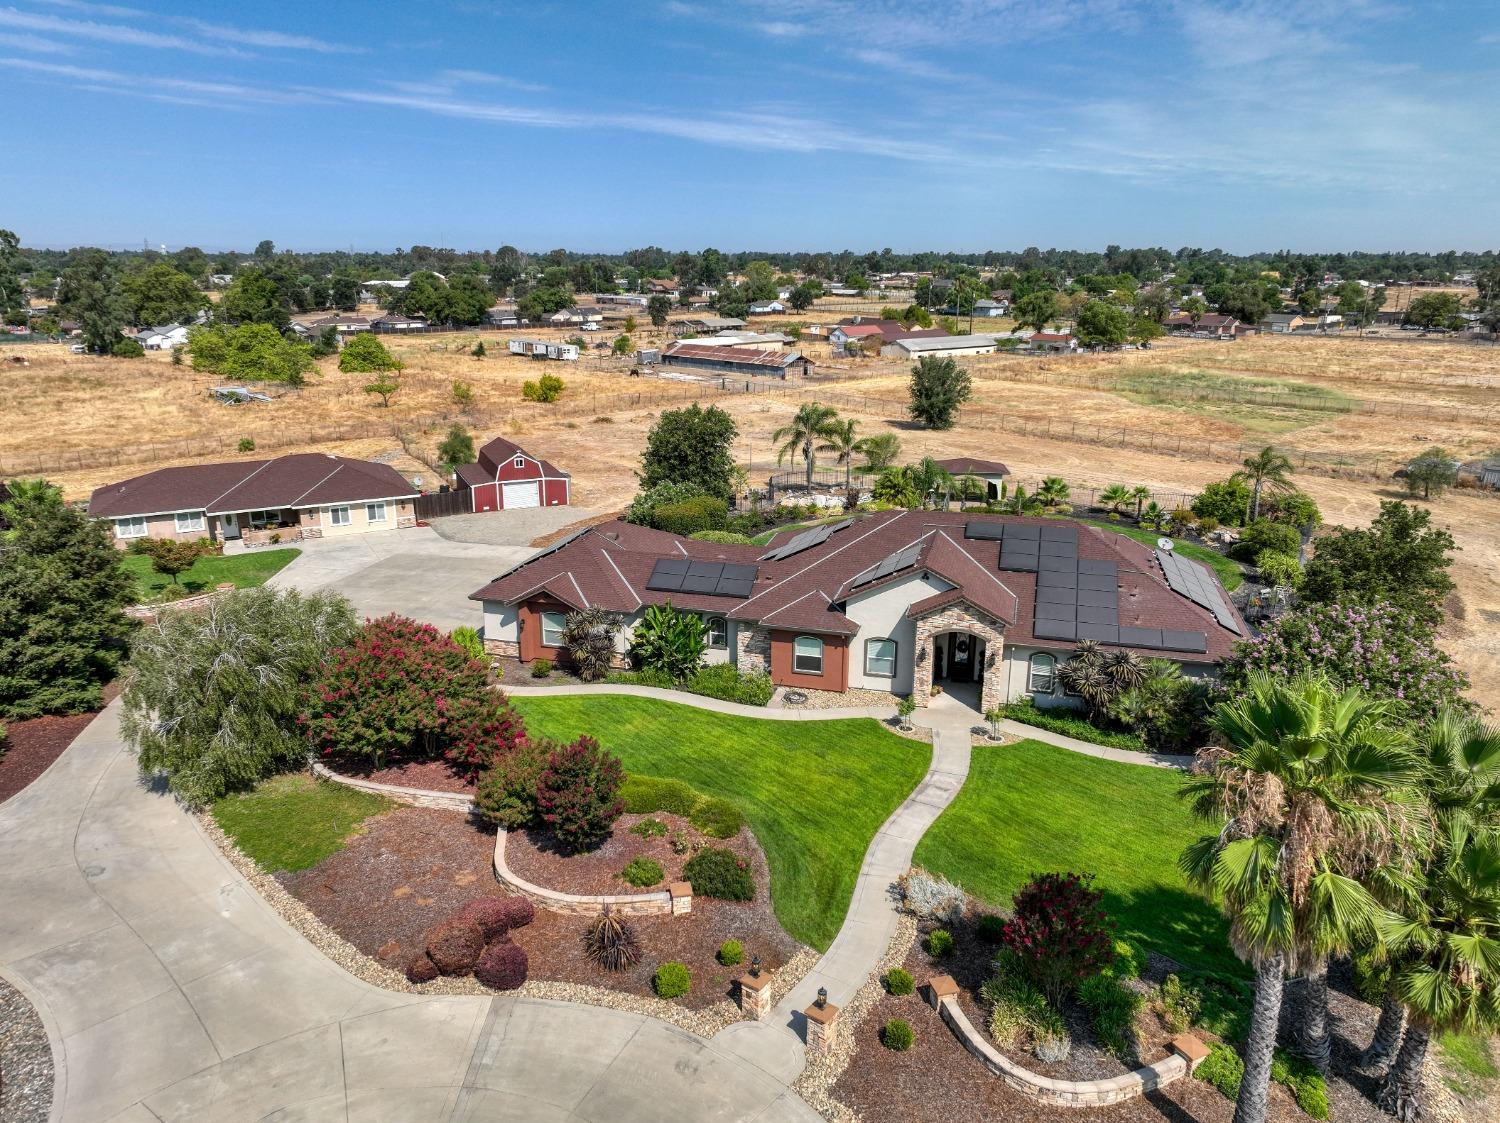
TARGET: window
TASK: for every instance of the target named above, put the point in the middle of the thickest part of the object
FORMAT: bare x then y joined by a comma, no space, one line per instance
1043,673
338,516
519,462
552,629
130,528
189,521
718,632
807,655
374,512
880,657
264,518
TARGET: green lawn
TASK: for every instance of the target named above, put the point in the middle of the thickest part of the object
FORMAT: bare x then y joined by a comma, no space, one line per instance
1228,569
293,822
814,792
1034,808
247,571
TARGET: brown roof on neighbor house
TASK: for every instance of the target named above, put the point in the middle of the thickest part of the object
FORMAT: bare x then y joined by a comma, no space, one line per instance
306,479
499,451
610,565
969,466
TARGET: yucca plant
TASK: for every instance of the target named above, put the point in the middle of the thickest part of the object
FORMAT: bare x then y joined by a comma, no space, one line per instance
610,942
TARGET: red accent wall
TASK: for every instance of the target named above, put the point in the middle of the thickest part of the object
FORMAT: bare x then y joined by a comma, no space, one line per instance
555,493
530,614
835,674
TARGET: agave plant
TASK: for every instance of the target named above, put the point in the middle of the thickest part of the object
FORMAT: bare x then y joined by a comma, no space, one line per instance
1099,677
611,943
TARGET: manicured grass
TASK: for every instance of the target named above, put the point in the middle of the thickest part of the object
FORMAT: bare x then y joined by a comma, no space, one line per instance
293,822
1470,1062
814,792
1228,569
246,571
1034,808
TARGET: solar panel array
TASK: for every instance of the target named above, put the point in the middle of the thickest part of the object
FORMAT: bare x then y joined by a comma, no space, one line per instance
813,536
708,578
898,561
1024,546
1191,580
984,530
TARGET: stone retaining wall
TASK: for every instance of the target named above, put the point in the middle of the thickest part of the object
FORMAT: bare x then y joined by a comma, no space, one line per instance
1070,1093
417,797
184,604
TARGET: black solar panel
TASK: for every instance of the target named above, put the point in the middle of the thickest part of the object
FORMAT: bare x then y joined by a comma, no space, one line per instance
1056,594
1021,532
1096,614
982,530
1017,557
1059,534
1098,598
1194,581
700,583
1056,612
1183,641
1104,633
1097,565
715,579
1055,629
1107,582
1140,637
813,536
1060,549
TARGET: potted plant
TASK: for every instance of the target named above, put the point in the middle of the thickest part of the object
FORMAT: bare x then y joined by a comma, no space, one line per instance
904,709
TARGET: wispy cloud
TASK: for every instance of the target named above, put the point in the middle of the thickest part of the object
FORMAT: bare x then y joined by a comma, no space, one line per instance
217,32
108,33
484,78
36,45
114,82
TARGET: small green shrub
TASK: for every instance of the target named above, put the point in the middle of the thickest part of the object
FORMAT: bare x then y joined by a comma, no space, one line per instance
897,1035
939,943
645,794
1303,1080
1177,1004
717,818
646,676
546,389
127,349
643,872
990,928
689,516
722,681
468,639
1114,1007
671,980
899,982
247,444
719,873
649,828
1049,1036
506,794
541,668
1223,1069
731,953
722,538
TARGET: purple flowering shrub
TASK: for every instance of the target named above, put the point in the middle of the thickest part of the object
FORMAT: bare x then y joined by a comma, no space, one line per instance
1377,649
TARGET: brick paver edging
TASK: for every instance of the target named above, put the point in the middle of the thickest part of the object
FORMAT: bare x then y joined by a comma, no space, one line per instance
1187,1053
675,899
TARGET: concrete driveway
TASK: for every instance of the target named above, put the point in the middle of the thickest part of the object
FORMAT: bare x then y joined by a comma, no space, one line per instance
510,528
415,572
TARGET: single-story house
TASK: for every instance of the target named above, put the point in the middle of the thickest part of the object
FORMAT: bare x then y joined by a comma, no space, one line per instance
507,477
992,472
990,309
344,325
706,325
393,322
633,299
750,339
747,362
863,328
1282,322
573,316
503,317
1216,325
162,338
304,495
666,286
987,607
767,308
1057,343
914,347
544,349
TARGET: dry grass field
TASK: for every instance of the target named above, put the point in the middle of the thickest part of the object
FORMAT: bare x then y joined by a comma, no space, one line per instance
1348,397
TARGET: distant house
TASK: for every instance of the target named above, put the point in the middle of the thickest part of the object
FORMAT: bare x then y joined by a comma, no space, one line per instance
939,345
304,495
344,325
633,299
506,477
1281,323
392,322
666,286
992,472
162,338
860,328
751,339
990,309
706,325
1058,343
503,318
767,308
747,362
544,349
1210,324
566,317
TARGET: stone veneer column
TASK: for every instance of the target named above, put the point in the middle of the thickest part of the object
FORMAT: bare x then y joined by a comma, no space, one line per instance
754,997
961,618
822,1027
682,897
752,645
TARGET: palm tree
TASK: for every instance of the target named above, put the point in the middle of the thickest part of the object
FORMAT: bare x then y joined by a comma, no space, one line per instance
969,487
1154,517
838,437
1053,491
1115,497
810,424
1138,495
1299,796
1099,677
930,477
1267,468
879,451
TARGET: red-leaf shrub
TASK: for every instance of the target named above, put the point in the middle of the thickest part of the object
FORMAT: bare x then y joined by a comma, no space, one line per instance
489,914
506,793
578,792
1060,932
405,690
455,947
422,969
519,911
502,966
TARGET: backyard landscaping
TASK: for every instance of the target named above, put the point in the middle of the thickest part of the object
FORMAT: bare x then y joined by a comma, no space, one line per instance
293,822
1030,807
245,571
813,792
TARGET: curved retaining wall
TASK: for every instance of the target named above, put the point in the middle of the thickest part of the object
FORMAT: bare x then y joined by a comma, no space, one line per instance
1187,1053
677,898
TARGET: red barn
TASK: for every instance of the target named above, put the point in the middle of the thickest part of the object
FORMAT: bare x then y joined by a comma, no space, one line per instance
508,477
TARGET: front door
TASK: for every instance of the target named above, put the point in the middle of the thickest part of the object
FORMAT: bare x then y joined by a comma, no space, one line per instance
231,527
961,666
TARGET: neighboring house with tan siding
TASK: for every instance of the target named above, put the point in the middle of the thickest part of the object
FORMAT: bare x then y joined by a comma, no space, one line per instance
305,495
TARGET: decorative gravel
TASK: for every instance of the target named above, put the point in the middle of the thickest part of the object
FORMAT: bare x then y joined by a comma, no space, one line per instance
848,699
546,940
25,1060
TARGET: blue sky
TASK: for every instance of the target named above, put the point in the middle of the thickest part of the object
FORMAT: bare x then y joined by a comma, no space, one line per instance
779,124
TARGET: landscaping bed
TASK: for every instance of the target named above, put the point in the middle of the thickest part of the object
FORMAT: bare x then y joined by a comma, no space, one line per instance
411,868
244,571
431,775
32,745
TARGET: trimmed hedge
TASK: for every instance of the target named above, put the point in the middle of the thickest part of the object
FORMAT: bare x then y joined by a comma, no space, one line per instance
1069,724
713,815
731,953
719,873
717,818
690,516
671,980
503,966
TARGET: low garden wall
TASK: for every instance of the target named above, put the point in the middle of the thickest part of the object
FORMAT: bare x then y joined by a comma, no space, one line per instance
677,898
1187,1053
184,604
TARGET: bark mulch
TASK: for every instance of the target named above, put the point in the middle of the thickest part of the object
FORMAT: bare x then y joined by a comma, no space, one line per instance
536,856
31,746
513,672
411,868
433,775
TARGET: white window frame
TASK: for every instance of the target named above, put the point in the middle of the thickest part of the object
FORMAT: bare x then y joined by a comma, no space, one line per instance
870,657
189,521
1036,673
719,625
132,527
375,512
333,516
798,656
562,621
518,462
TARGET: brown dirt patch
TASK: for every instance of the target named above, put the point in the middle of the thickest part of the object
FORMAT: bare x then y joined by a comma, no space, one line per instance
31,746
412,867
434,775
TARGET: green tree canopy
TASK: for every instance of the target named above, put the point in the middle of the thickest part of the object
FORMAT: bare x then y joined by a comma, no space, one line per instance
251,353
1400,560
366,354
1431,473
1436,310
939,386
1102,324
254,298
691,446
90,293
1036,309
160,294
659,307
457,448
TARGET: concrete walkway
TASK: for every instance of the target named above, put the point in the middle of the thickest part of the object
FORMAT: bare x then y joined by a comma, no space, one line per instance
174,992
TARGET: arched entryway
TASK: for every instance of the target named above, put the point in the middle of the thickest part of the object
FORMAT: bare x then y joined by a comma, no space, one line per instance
961,650
958,665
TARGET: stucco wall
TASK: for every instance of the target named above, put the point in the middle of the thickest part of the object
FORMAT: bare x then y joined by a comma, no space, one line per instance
881,614
835,663
161,526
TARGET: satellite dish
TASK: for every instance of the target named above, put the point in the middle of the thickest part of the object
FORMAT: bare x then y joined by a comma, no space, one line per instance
416,481
1165,544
